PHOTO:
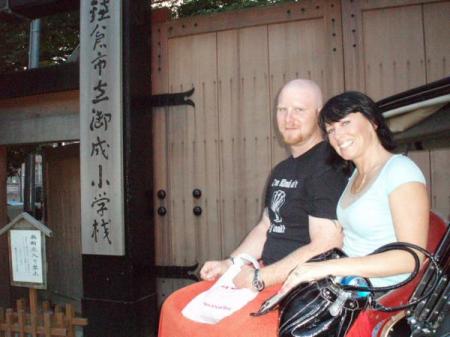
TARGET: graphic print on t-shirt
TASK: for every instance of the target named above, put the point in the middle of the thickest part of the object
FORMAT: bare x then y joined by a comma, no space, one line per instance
277,201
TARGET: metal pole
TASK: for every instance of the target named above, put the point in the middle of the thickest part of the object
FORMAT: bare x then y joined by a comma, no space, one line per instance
29,197
34,45
30,172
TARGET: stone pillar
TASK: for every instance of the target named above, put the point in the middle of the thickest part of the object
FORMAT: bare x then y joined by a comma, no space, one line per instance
119,292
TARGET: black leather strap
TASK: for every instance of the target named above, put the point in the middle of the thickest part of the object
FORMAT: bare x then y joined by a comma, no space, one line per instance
407,247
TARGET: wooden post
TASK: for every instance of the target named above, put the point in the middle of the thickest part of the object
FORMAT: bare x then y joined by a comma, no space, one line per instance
33,301
9,321
47,324
3,177
21,322
69,320
45,306
33,310
5,295
20,303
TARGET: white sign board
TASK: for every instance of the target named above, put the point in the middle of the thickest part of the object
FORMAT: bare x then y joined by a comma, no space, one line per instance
26,256
101,130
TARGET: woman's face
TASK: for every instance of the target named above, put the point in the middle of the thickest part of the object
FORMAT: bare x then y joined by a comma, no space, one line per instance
352,136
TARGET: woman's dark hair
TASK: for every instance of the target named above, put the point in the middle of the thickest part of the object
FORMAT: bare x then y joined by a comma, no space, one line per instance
341,105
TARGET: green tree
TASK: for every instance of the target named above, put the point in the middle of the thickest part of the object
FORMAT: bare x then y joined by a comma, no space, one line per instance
13,46
184,8
199,7
59,37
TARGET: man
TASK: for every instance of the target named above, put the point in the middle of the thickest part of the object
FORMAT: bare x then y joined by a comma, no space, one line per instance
297,223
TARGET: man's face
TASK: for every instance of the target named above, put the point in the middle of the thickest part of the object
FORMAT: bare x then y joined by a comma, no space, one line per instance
297,114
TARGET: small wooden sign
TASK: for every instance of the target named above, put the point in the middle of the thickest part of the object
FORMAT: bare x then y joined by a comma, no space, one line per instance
27,254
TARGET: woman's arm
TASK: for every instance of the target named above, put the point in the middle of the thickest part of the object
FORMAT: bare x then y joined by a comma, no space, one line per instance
410,213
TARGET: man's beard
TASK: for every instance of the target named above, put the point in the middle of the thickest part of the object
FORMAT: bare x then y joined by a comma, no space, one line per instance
293,139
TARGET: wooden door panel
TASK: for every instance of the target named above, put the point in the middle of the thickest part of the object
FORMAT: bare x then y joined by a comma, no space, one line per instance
255,116
394,53
62,185
193,150
393,46
437,37
231,140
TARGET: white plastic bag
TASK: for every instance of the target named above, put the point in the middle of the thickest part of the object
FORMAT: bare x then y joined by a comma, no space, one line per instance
223,298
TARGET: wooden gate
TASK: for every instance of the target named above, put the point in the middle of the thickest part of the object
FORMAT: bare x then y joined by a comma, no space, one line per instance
237,62
226,145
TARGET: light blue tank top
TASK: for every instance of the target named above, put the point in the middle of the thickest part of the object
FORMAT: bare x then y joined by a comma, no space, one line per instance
367,220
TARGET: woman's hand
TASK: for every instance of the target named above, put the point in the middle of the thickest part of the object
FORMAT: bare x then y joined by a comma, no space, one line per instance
305,272
214,269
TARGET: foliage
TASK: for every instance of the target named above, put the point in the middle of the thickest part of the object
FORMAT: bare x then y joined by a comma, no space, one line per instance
17,155
13,44
59,37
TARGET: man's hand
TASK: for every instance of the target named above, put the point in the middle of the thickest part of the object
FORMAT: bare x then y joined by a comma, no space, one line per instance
214,269
244,278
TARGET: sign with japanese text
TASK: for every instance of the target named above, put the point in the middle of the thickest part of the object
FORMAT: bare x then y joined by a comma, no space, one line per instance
101,142
26,256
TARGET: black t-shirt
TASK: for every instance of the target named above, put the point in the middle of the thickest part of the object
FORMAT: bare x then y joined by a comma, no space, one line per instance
299,187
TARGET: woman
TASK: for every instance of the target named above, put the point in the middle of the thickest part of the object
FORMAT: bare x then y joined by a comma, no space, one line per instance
384,201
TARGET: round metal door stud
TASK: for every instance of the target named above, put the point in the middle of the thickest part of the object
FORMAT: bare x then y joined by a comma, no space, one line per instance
161,194
162,211
196,193
197,210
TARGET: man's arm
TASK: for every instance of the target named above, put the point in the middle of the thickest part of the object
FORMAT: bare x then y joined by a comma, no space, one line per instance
252,244
324,234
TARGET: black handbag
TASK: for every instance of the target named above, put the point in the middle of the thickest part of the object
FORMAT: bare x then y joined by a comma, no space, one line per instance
328,308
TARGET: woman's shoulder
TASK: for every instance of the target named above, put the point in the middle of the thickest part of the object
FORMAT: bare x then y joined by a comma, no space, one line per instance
400,169
400,162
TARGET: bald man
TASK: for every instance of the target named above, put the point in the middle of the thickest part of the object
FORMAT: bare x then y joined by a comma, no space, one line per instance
297,223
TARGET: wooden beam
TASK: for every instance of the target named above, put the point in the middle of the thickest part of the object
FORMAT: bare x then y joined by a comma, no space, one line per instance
40,118
33,9
39,81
